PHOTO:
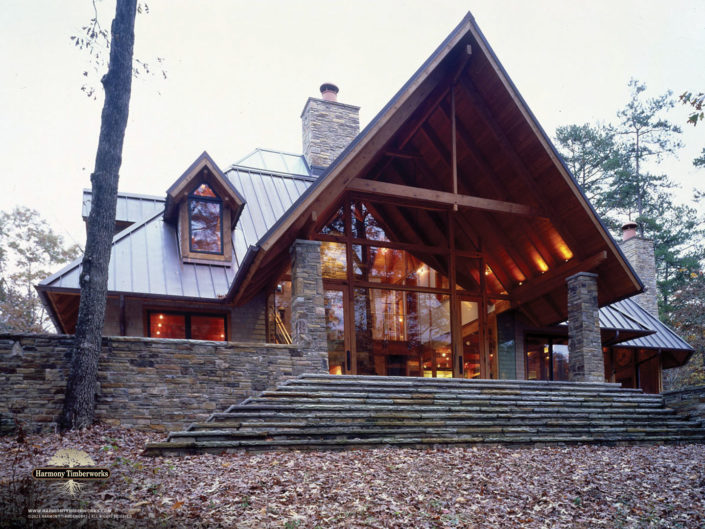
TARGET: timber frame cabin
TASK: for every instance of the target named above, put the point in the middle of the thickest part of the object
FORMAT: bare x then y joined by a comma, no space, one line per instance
447,239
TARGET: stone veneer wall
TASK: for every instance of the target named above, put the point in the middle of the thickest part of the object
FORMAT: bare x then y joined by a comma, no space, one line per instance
145,383
689,402
328,127
640,253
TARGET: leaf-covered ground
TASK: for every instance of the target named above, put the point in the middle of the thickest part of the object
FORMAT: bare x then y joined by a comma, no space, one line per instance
483,487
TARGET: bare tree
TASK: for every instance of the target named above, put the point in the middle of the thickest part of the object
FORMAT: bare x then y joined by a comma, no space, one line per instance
81,387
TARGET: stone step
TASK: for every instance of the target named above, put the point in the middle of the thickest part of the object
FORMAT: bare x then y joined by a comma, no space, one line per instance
531,422
405,408
469,385
447,393
363,432
421,381
446,400
393,413
335,412
180,448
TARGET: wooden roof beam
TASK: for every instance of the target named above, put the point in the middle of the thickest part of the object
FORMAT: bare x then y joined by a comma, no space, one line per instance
501,193
443,198
555,278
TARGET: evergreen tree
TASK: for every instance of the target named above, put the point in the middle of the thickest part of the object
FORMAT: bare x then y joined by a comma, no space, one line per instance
646,136
688,319
593,157
617,168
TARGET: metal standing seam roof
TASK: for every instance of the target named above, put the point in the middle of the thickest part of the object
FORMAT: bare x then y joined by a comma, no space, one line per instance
130,207
613,318
628,315
145,258
663,338
277,161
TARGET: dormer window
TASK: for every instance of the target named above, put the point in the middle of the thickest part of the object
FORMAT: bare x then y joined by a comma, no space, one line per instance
204,207
205,216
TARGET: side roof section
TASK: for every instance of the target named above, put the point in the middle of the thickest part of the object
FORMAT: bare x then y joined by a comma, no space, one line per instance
145,258
130,207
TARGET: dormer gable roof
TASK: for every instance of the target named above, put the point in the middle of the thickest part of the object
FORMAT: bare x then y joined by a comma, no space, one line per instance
203,169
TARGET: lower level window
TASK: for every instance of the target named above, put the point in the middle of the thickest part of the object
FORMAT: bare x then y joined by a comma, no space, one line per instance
547,358
187,325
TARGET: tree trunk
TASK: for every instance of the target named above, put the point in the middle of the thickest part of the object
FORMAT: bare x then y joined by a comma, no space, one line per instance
81,387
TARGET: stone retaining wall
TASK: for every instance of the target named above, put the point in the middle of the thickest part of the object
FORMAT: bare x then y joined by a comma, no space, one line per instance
688,402
145,383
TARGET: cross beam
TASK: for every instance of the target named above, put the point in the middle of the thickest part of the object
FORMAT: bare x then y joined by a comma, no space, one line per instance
431,196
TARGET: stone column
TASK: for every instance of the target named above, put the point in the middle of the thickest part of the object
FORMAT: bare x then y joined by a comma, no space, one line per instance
308,323
584,344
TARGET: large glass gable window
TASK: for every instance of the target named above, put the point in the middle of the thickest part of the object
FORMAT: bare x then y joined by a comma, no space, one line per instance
205,214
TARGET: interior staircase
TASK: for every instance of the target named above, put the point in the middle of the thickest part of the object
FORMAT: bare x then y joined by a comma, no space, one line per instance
333,412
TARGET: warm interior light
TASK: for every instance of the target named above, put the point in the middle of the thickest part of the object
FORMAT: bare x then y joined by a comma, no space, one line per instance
401,320
158,332
161,316
222,336
541,264
565,252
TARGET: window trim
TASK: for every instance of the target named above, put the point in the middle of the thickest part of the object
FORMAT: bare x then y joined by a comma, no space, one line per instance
213,200
187,322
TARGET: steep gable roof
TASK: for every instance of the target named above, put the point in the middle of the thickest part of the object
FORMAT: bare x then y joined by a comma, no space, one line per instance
536,227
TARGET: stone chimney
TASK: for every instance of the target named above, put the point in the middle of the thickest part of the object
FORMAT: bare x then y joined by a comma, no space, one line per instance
328,127
640,253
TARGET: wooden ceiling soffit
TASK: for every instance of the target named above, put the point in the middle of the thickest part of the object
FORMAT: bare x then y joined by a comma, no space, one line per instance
555,278
429,196
549,149
60,305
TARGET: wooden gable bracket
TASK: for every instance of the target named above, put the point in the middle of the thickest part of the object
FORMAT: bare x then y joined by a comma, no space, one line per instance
442,198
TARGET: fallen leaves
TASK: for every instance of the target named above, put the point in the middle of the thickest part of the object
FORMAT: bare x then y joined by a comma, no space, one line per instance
579,487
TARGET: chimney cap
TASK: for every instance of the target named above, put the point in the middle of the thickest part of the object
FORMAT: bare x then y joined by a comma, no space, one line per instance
329,92
629,230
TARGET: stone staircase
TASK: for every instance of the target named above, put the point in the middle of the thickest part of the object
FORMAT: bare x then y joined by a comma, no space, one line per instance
334,412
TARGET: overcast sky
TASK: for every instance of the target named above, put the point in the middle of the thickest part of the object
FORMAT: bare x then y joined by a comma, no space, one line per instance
239,73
